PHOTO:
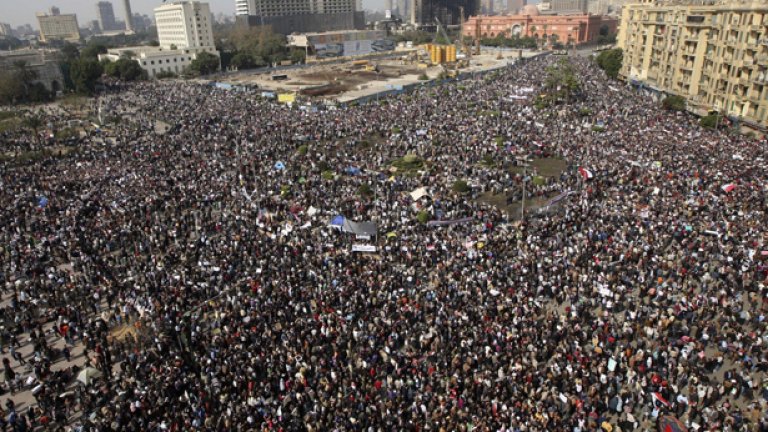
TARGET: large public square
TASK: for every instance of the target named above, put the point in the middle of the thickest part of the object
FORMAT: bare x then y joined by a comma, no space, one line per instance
457,257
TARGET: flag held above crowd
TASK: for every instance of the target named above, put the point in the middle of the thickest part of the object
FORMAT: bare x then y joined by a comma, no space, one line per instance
585,173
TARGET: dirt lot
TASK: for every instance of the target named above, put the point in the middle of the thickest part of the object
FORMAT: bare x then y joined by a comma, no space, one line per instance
545,167
347,81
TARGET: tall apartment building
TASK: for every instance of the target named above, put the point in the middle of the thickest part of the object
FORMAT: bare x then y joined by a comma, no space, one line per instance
301,16
5,30
185,24
424,12
486,7
128,15
243,7
515,6
58,27
106,16
714,53
563,7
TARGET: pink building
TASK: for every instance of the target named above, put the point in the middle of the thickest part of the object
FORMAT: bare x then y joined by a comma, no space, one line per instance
576,29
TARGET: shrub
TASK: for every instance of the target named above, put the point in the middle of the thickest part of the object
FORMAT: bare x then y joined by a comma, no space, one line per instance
423,77
610,61
585,112
328,175
710,121
597,128
461,186
423,216
365,190
488,161
303,149
674,103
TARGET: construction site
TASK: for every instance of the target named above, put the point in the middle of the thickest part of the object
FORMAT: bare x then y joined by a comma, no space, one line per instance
346,79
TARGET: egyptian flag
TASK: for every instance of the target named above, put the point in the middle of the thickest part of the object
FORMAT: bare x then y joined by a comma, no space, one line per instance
728,187
657,397
585,173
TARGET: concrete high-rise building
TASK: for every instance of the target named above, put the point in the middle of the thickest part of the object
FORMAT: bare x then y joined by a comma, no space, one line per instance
5,30
128,15
244,7
184,24
184,29
424,12
105,14
387,5
715,54
562,7
597,7
515,6
58,27
401,9
486,7
301,16
274,8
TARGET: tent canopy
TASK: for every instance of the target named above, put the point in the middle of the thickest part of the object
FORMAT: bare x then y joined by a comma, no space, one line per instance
357,228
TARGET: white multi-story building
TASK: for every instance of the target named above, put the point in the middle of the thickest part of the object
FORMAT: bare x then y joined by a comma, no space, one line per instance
276,8
184,24
5,30
244,7
184,29
58,27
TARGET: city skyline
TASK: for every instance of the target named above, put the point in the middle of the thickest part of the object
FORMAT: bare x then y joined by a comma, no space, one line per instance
24,13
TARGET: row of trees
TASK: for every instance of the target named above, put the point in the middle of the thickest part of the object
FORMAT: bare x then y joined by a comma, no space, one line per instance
247,48
19,85
562,82
610,61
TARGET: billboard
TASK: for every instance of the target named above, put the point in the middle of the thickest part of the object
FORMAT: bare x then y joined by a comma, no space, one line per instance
286,97
353,48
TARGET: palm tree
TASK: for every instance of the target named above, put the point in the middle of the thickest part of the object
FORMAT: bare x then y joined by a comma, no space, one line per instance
34,122
25,75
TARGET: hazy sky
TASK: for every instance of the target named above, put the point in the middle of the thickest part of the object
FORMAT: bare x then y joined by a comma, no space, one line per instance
18,12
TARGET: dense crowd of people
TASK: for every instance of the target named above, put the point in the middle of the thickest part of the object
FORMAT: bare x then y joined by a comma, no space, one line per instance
637,297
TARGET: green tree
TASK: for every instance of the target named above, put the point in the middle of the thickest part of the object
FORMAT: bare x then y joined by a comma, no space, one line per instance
85,73
298,56
243,60
10,88
711,121
561,81
92,51
205,63
610,61
125,69
674,103
69,51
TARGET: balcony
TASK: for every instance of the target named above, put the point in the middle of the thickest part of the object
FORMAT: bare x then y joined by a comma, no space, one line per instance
698,24
755,98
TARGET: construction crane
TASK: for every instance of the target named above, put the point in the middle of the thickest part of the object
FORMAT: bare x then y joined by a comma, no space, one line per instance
441,30
477,35
464,48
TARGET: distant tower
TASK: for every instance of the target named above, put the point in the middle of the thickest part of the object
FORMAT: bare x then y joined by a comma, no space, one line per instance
105,15
55,11
128,15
